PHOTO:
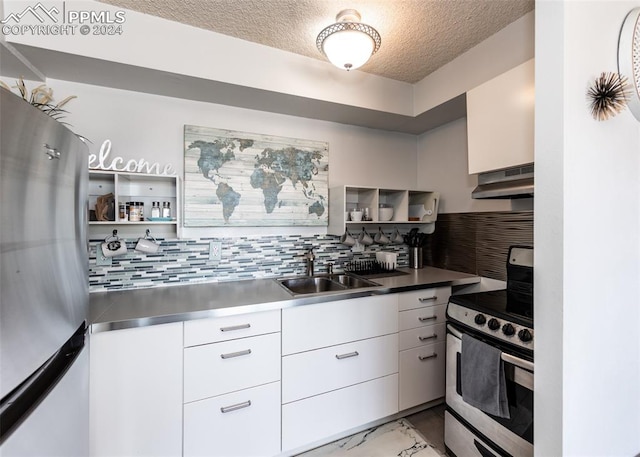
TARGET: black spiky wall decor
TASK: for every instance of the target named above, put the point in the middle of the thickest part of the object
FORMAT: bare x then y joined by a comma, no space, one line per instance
608,95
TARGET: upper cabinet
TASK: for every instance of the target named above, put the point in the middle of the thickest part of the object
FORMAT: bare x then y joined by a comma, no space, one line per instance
500,121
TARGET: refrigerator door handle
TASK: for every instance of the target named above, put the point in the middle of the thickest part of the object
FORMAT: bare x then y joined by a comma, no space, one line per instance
16,406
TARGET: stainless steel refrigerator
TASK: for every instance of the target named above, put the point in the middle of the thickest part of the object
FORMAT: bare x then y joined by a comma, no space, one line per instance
44,368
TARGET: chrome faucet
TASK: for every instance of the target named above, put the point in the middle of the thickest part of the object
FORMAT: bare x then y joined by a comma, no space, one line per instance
310,257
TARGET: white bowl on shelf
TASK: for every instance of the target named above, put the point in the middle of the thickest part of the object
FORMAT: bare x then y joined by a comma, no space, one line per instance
385,214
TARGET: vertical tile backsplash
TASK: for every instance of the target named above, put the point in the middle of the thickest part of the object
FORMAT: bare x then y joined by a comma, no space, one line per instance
187,260
478,243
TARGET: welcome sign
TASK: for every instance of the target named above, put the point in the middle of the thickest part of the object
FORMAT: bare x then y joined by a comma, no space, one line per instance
102,161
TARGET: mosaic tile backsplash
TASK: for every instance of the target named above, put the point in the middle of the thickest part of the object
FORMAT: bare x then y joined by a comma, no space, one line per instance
187,260
475,243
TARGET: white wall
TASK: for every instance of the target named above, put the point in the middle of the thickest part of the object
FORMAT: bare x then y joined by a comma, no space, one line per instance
587,232
442,166
151,127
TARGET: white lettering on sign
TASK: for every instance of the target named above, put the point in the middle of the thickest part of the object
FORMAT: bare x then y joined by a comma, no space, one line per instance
101,162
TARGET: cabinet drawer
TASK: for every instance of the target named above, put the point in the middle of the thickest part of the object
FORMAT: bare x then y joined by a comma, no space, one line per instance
215,369
422,374
421,336
420,317
244,423
423,297
203,331
328,324
338,366
312,419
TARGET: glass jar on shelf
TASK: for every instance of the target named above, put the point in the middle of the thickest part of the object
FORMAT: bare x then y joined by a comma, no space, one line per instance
155,210
166,210
136,211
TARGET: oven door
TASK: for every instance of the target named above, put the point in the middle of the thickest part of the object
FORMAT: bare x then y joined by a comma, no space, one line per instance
468,430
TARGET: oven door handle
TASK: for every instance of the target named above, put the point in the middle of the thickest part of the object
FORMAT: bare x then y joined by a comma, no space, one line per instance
521,363
524,364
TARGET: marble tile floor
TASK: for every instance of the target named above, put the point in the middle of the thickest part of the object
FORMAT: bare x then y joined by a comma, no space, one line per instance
395,438
430,423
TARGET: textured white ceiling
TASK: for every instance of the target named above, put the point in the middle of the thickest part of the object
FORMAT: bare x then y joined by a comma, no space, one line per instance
418,36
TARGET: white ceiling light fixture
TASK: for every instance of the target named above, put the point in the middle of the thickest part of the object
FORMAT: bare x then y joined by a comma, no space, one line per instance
348,43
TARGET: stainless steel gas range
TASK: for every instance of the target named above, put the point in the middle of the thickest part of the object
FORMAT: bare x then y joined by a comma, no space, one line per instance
489,371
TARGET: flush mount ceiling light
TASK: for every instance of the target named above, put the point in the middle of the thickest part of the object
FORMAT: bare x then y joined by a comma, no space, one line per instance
348,43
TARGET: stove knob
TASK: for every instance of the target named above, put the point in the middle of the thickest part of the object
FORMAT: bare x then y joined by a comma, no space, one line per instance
508,330
493,324
480,319
525,335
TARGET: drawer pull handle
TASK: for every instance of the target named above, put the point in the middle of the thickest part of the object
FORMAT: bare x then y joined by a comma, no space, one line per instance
235,327
346,356
425,319
425,299
237,406
425,338
235,354
427,357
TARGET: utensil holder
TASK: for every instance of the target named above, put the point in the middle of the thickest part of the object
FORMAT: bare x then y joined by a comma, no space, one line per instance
416,257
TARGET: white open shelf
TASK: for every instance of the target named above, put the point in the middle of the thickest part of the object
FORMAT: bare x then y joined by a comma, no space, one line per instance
140,187
410,207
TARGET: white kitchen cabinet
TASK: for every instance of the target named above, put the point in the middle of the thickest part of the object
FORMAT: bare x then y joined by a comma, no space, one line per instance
423,297
316,326
136,392
421,336
316,418
500,121
215,369
410,207
422,375
339,367
245,423
232,390
422,346
343,365
203,331
428,315
138,187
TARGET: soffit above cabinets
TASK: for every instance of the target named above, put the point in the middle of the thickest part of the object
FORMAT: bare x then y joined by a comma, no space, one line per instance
63,66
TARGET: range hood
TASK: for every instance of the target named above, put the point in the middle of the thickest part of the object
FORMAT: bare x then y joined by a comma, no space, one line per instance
508,183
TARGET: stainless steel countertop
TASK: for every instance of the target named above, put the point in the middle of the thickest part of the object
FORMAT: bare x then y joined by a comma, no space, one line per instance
142,307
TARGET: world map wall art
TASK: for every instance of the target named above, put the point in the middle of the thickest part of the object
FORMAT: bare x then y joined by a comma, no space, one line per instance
246,179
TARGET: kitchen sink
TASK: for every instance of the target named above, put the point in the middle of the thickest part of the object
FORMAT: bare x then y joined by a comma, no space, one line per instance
352,282
328,283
